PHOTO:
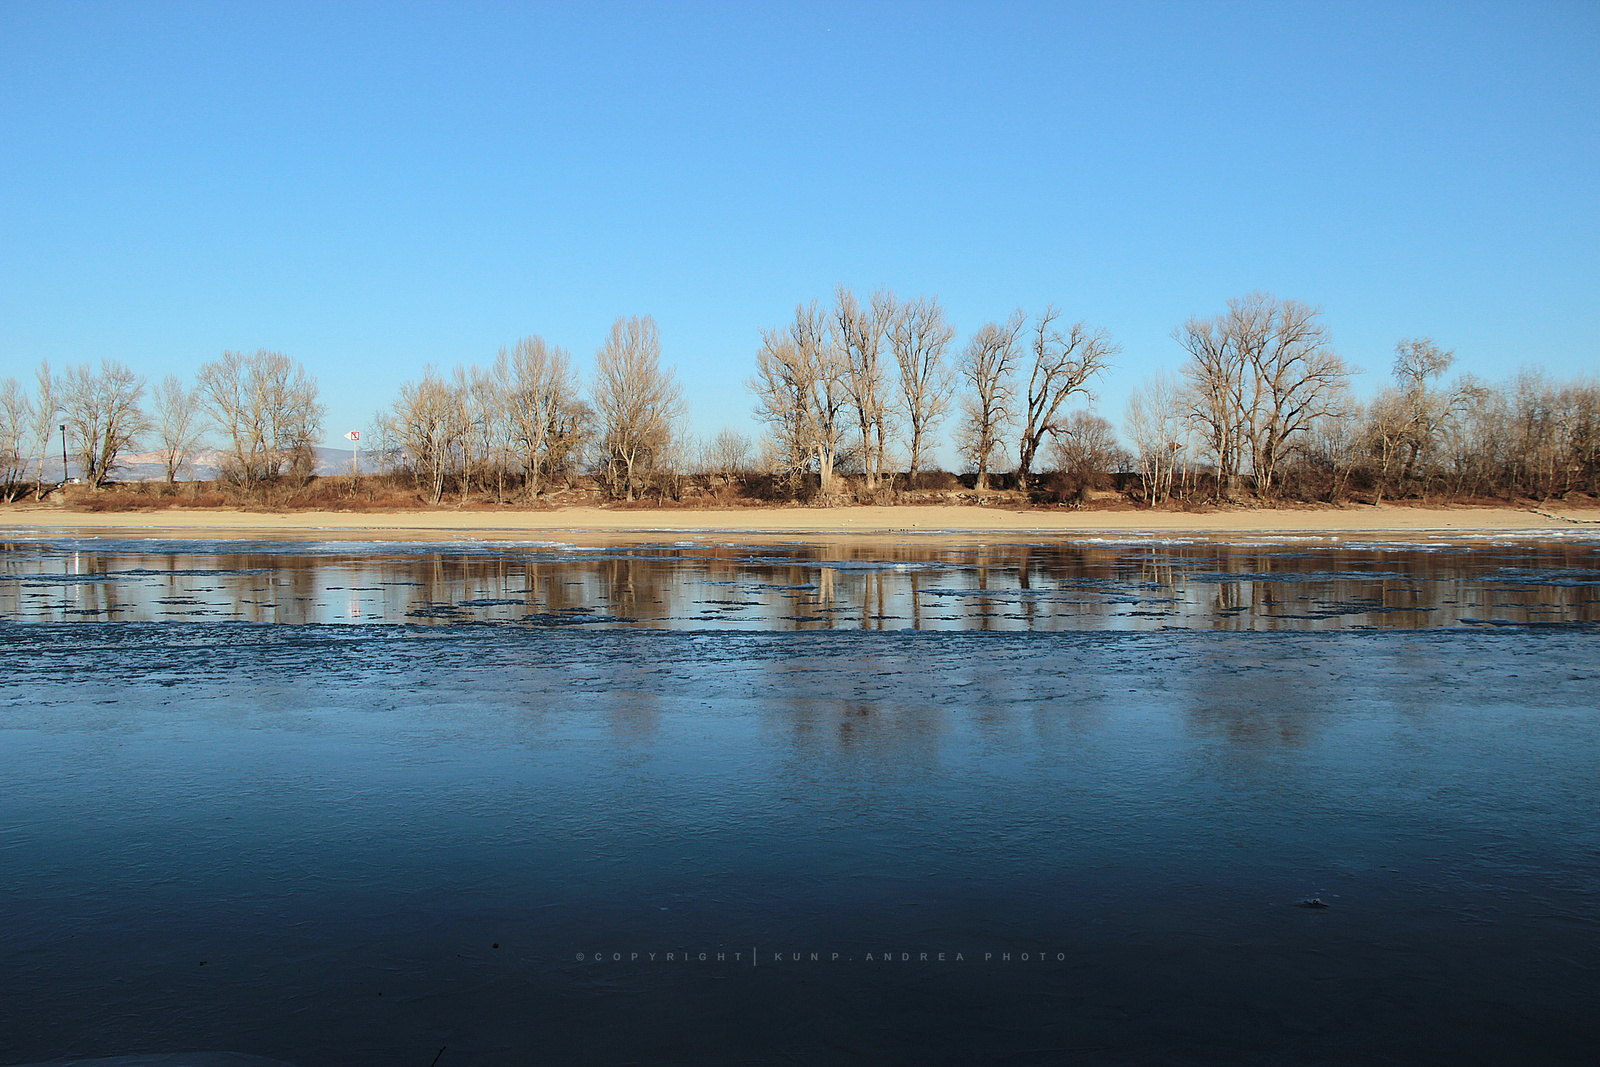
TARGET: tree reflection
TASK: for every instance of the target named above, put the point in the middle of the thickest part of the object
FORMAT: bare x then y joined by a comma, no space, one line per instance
864,584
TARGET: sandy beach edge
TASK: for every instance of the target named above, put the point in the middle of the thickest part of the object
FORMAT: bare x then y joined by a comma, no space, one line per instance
903,521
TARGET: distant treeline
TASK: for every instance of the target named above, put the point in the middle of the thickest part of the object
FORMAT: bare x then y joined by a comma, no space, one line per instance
856,396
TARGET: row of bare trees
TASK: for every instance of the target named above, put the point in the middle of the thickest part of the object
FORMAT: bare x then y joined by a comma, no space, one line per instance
1260,378
264,407
853,385
97,415
855,394
522,423
1531,436
1264,406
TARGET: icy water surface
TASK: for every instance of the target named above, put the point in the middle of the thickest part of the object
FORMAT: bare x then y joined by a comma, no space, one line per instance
1050,803
863,584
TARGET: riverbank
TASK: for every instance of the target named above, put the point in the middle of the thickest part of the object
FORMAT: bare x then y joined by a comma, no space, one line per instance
906,520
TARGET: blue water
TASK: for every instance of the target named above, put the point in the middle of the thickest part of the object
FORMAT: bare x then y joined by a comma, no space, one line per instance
359,844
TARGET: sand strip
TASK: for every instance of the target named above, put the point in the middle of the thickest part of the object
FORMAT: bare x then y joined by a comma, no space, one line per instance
622,524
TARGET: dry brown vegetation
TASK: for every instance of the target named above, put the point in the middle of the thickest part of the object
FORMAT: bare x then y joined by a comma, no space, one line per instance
396,493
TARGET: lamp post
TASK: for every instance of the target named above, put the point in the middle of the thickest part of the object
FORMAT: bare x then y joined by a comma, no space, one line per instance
63,429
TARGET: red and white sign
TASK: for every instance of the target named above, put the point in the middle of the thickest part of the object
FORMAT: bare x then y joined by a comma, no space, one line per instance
353,435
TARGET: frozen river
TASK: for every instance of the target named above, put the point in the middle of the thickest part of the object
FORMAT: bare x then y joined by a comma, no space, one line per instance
340,803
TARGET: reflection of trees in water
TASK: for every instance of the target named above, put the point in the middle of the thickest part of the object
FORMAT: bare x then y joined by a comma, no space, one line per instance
835,731
1249,704
630,704
904,711
874,601
618,585
797,587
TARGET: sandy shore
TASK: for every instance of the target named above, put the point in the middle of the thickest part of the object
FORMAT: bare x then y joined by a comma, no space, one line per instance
822,522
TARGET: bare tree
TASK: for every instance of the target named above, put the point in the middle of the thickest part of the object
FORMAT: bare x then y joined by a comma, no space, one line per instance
491,388
1385,432
639,404
45,409
800,394
1216,379
1157,424
473,393
382,438
1085,448
103,416
1529,435
16,417
1260,375
1406,425
919,337
1296,379
266,407
858,335
1539,421
178,428
571,442
986,368
1332,447
671,463
1417,362
542,401
427,423
727,455
1062,363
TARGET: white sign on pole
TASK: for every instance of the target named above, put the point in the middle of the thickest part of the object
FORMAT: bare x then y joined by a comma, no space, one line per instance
353,435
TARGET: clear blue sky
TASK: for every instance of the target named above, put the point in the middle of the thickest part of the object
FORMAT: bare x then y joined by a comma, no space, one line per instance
370,188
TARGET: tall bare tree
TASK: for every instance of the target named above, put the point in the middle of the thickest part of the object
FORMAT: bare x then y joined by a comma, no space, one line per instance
103,416
987,366
1409,423
1260,375
543,408
473,392
492,390
427,422
176,415
1216,380
638,403
919,337
267,410
47,405
800,393
1063,362
1157,424
16,418
858,335
1295,377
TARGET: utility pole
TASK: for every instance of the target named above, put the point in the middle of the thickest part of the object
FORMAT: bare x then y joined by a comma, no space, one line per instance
63,429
